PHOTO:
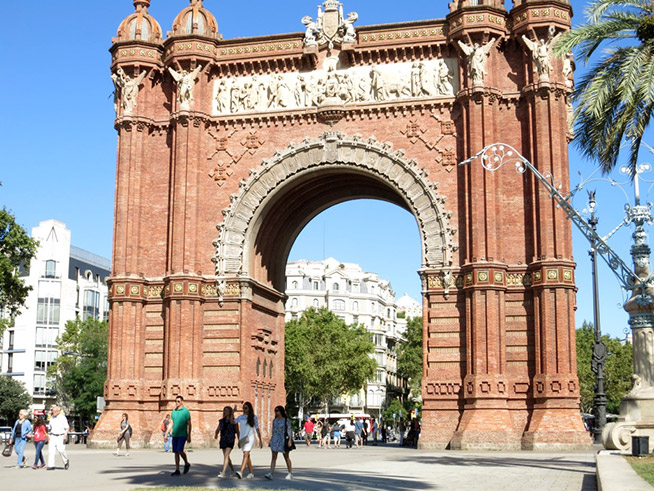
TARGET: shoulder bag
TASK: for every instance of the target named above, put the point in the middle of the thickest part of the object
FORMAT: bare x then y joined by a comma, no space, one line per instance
289,444
8,450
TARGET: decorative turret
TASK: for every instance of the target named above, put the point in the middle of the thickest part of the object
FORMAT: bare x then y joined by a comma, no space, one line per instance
459,4
470,19
533,16
195,20
140,26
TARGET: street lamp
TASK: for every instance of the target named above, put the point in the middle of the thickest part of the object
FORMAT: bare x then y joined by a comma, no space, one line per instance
599,348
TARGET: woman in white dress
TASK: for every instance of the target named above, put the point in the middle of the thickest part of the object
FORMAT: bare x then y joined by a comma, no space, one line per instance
248,425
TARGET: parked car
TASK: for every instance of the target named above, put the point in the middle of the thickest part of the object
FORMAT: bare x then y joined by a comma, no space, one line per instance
5,434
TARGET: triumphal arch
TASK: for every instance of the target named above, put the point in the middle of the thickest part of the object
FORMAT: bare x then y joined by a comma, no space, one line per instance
228,148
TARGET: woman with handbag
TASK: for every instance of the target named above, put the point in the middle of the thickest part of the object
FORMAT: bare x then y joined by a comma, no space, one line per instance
20,433
281,441
40,433
248,425
124,435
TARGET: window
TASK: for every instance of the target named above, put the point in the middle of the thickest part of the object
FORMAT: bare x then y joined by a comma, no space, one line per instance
40,382
10,363
355,287
50,269
46,336
91,305
294,285
335,287
339,304
294,303
43,359
355,319
47,311
316,303
316,285
388,313
105,313
11,340
355,306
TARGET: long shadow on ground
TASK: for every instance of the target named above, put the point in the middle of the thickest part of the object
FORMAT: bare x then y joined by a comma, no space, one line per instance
306,479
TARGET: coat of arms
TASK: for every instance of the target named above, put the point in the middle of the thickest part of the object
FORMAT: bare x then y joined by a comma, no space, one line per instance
330,26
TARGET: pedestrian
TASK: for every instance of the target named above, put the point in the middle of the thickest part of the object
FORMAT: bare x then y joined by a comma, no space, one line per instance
375,431
324,434
358,432
87,432
318,430
58,430
336,433
308,431
180,430
364,433
124,435
40,433
402,429
20,433
282,431
167,439
248,425
349,433
228,431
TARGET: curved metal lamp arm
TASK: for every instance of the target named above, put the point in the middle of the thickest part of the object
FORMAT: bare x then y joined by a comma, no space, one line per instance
495,156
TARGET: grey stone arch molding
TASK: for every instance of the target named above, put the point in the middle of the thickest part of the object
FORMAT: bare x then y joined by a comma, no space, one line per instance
234,244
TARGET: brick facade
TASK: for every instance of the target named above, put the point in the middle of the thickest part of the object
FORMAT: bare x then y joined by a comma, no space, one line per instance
208,206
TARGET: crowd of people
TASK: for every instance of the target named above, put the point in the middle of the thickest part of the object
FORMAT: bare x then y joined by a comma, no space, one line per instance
242,431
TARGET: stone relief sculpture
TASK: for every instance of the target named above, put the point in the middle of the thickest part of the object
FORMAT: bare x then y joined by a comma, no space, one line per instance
350,35
330,26
568,69
185,84
541,53
330,85
128,88
477,57
312,30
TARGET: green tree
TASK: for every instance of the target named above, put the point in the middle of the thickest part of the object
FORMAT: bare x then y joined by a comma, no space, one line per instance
81,369
394,408
409,357
615,98
13,398
16,249
325,357
617,369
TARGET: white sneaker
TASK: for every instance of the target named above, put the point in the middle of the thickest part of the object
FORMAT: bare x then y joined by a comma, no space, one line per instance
220,474
239,474
250,476
127,454
268,476
116,452
289,476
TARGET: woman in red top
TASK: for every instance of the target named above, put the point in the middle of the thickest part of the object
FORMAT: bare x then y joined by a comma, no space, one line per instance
40,433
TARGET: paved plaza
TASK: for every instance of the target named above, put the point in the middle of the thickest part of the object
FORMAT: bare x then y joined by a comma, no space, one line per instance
369,468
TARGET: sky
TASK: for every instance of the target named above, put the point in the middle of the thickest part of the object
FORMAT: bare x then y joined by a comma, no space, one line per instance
59,145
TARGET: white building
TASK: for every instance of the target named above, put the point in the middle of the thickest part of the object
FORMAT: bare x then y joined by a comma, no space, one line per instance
67,283
408,308
356,297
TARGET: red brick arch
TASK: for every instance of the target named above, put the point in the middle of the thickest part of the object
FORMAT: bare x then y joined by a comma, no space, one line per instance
277,200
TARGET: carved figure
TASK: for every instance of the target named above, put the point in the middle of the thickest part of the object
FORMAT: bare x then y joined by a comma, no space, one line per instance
185,84
541,54
283,92
443,79
426,80
262,92
477,57
416,83
349,34
331,84
128,88
272,92
222,97
234,95
568,68
377,84
363,90
310,33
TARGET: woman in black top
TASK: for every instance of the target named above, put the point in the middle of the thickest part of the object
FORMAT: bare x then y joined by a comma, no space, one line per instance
228,431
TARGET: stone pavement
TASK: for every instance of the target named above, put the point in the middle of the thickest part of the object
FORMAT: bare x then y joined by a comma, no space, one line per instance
370,468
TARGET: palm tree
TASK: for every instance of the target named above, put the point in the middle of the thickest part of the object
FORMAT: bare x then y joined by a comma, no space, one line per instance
615,99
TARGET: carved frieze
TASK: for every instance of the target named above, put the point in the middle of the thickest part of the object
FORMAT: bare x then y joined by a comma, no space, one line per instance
332,85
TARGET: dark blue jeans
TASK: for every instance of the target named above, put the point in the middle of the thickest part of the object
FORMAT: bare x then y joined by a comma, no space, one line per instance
39,453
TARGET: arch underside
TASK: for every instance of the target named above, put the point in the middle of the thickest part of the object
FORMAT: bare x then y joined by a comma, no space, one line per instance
283,195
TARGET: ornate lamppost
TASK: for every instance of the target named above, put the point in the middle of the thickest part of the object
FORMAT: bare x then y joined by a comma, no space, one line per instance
637,408
599,348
